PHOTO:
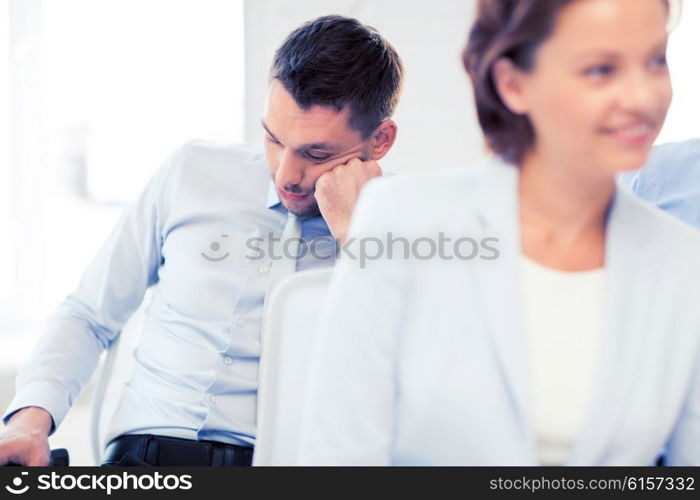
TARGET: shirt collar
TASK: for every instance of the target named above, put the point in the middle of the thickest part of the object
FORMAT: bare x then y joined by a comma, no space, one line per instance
273,202
273,198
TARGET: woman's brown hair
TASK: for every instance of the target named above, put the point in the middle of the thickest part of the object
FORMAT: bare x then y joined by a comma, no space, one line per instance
513,29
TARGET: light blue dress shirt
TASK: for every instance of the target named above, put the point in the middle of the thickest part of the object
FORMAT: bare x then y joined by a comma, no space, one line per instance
191,237
671,180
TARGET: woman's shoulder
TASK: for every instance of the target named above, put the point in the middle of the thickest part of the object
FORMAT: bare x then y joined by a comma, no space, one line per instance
438,199
443,185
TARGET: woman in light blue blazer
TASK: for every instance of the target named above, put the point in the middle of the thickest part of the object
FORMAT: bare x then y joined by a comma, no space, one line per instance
526,310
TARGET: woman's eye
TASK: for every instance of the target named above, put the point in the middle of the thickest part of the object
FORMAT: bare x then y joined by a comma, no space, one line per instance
600,70
660,61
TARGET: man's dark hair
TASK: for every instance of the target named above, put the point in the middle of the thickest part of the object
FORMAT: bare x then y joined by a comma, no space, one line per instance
338,61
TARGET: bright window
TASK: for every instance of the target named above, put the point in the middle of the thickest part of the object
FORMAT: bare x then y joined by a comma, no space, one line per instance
101,91
5,203
683,120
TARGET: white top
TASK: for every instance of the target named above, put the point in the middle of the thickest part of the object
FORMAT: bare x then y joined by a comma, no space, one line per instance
563,320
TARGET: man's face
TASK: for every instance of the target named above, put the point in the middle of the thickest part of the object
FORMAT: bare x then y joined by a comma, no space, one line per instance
302,145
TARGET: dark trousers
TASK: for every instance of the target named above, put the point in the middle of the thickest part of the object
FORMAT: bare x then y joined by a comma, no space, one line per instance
148,449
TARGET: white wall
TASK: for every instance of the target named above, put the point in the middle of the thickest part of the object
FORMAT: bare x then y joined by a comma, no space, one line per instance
436,119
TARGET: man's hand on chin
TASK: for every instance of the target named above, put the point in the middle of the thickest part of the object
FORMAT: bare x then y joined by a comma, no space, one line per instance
337,191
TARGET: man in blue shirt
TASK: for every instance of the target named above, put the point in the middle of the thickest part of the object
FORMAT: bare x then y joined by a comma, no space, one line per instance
191,398
671,180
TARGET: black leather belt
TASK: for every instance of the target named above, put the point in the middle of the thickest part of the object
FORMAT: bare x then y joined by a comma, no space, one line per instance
148,449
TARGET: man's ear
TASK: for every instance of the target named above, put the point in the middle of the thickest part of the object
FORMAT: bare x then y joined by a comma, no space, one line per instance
383,139
509,81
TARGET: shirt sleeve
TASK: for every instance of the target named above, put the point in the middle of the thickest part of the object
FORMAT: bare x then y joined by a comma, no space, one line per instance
350,404
89,319
684,446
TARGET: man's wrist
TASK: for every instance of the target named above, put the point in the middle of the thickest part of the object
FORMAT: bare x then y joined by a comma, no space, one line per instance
33,416
339,233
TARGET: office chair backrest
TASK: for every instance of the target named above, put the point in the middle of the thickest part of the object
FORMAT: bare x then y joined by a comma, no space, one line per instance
289,327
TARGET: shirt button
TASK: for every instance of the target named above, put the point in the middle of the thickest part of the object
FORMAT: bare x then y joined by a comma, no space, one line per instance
213,400
240,322
263,269
228,360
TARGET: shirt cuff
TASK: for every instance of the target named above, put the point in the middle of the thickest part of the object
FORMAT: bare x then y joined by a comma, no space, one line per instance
43,394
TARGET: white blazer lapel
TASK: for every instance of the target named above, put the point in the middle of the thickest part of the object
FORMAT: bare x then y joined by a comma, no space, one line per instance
499,289
627,250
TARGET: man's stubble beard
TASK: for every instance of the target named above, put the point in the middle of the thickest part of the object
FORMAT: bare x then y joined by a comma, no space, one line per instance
310,211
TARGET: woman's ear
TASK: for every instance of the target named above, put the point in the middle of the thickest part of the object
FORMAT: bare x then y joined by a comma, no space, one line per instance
509,82
383,139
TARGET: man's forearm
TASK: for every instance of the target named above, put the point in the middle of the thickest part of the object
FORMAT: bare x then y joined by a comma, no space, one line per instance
61,363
